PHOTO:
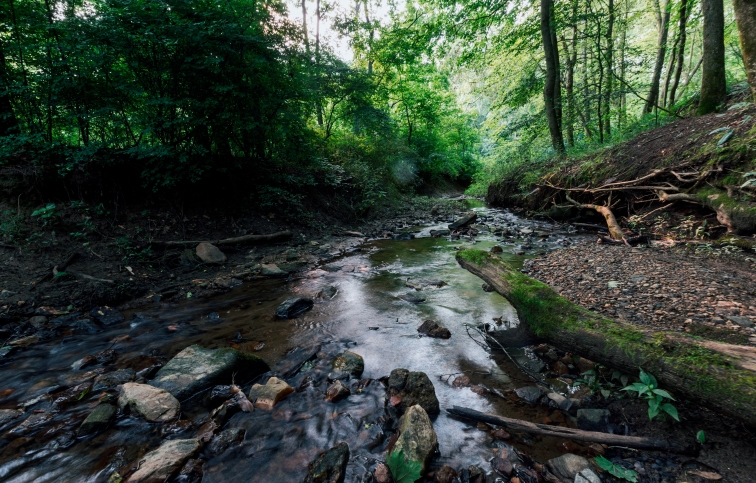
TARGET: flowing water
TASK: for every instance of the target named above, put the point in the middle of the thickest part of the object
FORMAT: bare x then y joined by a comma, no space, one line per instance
365,316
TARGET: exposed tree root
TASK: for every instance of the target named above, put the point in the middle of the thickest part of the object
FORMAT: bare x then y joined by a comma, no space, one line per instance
615,230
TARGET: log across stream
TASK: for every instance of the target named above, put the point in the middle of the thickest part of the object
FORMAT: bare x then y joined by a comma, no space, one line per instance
720,376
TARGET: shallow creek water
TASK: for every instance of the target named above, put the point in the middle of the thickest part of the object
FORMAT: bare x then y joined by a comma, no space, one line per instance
365,316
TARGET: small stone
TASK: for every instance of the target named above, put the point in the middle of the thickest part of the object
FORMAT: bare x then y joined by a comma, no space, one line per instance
461,381
446,474
268,395
530,394
293,307
113,379
337,391
502,466
349,363
162,463
567,466
151,403
38,321
24,341
407,389
209,253
741,321
272,270
587,476
413,299
106,316
382,474
497,249
593,419
97,420
330,467
433,329
500,435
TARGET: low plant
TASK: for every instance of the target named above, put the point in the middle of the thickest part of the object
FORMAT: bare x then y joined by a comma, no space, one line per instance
403,469
616,470
599,384
648,388
46,213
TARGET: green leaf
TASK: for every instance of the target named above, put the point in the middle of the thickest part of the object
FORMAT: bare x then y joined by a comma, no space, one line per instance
663,393
404,470
645,379
653,408
616,470
671,410
603,463
606,393
701,436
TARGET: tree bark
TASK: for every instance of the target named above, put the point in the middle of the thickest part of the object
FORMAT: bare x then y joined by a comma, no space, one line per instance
745,15
552,86
662,20
609,72
8,121
713,82
718,375
615,230
682,27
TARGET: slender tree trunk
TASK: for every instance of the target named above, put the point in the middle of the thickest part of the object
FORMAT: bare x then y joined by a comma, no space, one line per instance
713,82
662,20
569,84
8,121
552,87
609,71
600,84
745,14
623,46
684,11
670,70
318,105
370,39
304,26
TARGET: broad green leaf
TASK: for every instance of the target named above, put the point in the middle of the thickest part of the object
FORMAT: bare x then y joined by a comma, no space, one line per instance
701,436
671,410
644,378
663,393
403,469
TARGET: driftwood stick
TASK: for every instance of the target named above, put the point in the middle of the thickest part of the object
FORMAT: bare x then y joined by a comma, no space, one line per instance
615,230
57,268
569,433
273,237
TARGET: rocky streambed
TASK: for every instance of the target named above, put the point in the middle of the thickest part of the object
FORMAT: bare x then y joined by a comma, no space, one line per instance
315,377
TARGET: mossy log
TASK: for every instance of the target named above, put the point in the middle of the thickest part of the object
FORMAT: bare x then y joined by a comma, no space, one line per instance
721,376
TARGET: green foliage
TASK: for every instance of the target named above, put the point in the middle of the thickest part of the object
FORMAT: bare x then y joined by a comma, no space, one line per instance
403,469
598,384
10,225
648,388
616,470
701,436
45,213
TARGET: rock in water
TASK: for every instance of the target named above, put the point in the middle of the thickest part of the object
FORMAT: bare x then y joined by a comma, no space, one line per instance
432,329
567,466
97,420
337,391
413,299
7,415
194,369
161,464
530,394
106,316
416,436
293,307
209,253
407,389
272,270
349,363
464,221
268,395
113,379
330,467
151,403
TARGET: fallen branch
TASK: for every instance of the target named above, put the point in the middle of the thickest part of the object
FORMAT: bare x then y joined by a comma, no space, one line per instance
57,268
253,239
638,442
614,228
632,241
718,375
84,276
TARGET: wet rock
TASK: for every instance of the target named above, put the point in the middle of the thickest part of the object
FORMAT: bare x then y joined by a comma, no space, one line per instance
98,420
461,381
72,394
567,466
209,253
555,399
194,369
530,394
440,233
403,236
468,219
500,435
84,362
593,419
38,321
487,288
106,316
328,292
85,326
221,393
290,267
330,467
105,356
587,476
502,466
472,474
348,363
293,307
497,249
162,463
63,440
416,436
272,270
151,403
337,391
24,341
411,298
226,438
7,415
407,389
113,379
445,474
433,329
191,472
382,474
268,395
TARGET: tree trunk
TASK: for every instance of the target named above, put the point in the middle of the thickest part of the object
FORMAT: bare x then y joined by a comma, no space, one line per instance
718,375
662,20
745,14
8,121
680,51
713,83
609,71
318,105
370,40
552,86
304,26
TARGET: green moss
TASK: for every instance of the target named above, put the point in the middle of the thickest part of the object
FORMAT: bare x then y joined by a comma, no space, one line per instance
473,256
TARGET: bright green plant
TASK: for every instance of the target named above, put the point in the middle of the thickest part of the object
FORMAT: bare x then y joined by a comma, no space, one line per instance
616,470
701,436
403,469
648,389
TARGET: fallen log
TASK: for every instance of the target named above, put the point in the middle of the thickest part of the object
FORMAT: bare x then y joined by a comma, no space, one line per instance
252,239
638,442
721,376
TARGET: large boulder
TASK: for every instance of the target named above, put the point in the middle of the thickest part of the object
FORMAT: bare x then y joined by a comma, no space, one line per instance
195,368
417,439
464,221
98,419
348,363
567,466
330,467
153,404
209,253
268,395
160,464
293,307
407,389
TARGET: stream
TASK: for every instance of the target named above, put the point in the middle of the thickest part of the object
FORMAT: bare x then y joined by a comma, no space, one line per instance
365,316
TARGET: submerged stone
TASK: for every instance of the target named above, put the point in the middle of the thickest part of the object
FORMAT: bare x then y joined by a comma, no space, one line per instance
151,403
349,363
293,307
268,395
164,462
464,221
330,467
98,419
